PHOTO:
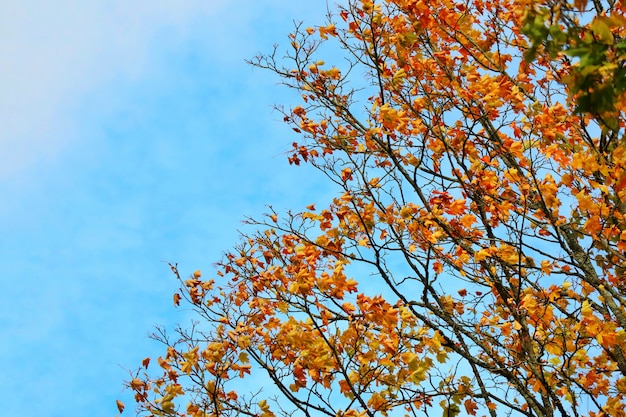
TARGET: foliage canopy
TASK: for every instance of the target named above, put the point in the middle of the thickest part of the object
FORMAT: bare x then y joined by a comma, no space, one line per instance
474,259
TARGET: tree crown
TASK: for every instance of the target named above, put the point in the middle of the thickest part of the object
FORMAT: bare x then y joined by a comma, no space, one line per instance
473,260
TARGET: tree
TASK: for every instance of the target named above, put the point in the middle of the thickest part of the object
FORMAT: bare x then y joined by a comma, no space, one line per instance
599,79
474,259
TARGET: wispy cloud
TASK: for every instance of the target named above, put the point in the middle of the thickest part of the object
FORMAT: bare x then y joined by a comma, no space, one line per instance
52,53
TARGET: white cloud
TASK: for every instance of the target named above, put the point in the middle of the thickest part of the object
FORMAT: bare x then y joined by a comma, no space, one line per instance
51,53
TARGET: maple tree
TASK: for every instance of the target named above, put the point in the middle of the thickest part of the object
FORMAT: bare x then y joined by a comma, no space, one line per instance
474,259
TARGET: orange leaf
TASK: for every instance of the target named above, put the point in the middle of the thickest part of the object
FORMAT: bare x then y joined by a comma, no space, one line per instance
346,174
136,384
120,406
470,407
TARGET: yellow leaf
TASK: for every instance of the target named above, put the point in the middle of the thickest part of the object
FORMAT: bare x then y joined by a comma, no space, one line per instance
398,76
263,405
481,255
555,361
442,356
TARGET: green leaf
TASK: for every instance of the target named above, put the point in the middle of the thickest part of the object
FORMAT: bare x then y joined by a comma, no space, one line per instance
602,31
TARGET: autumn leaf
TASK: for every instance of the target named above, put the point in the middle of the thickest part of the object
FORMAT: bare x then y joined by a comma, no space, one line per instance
346,174
470,407
136,384
327,30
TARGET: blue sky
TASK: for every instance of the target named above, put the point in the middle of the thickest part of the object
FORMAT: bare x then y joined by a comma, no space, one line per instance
133,134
